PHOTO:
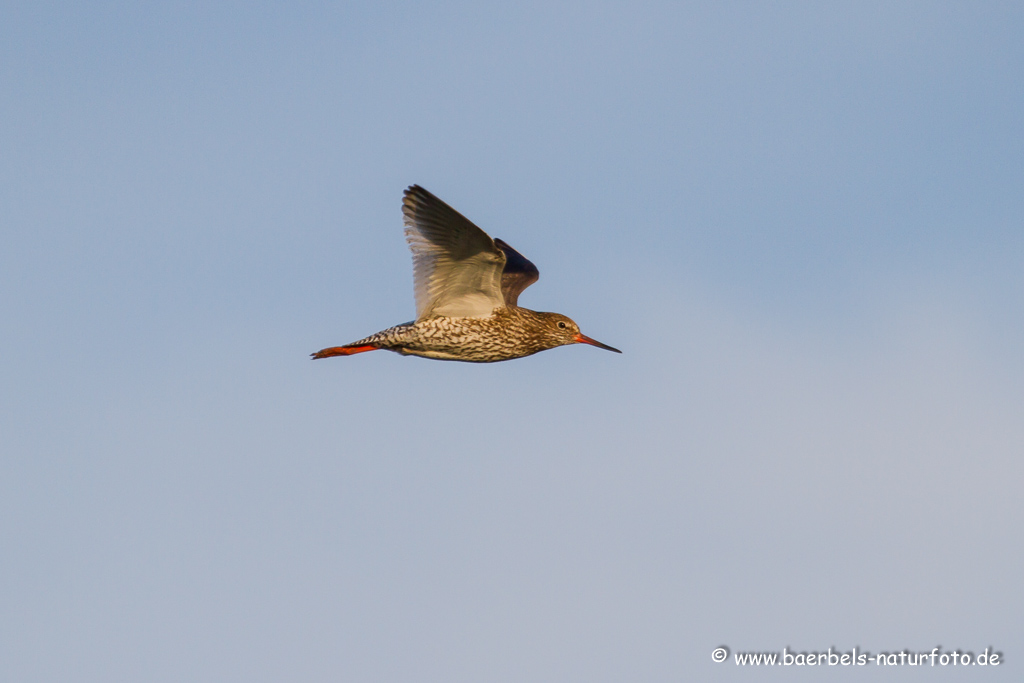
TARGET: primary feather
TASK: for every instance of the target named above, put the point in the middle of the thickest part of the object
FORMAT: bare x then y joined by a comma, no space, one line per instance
456,265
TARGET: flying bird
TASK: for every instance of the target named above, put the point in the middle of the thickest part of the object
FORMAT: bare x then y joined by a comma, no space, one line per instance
467,288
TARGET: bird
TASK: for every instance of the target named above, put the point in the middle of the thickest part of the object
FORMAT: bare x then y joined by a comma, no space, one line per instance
467,288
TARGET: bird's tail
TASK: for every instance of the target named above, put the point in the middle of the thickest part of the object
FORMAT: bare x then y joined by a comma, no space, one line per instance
344,350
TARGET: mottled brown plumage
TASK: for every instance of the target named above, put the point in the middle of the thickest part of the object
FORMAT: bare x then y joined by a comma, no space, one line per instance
467,293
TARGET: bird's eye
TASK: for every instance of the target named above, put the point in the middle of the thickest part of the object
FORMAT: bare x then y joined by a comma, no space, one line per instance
561,324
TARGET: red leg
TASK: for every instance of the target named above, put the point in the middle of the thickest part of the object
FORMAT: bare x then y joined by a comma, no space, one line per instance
343,351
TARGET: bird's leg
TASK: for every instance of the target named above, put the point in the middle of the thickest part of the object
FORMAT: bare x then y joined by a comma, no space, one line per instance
344,350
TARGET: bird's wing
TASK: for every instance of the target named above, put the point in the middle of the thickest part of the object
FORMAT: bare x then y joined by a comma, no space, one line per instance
518,274
456,265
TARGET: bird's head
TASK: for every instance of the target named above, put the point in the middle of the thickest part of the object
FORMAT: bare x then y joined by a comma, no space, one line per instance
561,330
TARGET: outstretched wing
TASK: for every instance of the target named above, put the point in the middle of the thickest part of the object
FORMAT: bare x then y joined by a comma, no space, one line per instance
456,265
518,274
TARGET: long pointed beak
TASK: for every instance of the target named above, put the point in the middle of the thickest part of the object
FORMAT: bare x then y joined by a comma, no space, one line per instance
584,339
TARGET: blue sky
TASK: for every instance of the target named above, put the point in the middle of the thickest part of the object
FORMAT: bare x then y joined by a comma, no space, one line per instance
801,223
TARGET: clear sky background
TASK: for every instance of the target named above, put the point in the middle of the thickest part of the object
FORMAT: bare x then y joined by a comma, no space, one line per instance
802,223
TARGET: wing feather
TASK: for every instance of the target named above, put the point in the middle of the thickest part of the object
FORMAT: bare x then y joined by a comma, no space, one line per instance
519,273
456,266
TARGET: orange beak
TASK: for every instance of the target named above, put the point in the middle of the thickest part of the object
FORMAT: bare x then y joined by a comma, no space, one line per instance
584,339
